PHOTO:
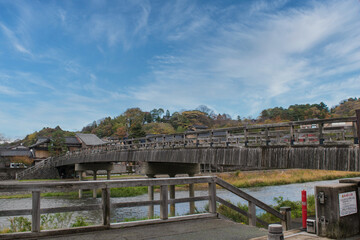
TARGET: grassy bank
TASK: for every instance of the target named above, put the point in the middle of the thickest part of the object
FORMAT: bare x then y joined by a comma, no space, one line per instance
280,177
242,179
115,192
296,210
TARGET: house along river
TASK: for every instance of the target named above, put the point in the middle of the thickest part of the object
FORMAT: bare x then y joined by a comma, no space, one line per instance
265,194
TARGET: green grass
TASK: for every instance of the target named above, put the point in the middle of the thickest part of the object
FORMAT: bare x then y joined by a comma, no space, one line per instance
115,192
296,210
280,177
114,177
39,180
128,191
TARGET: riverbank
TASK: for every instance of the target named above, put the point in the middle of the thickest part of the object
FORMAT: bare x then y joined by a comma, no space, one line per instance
246,179
240,179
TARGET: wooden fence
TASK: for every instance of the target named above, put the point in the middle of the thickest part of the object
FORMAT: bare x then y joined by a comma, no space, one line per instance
335,131
106,206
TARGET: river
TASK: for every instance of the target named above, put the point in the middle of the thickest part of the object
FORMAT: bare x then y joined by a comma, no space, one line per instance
265,194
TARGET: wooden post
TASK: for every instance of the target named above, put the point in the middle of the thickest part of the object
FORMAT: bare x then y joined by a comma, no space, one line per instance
212,195
94,190
321,135
267,138
163,202
227,139
35,212
358,124
246,132
80,179
108,174
172,196
292,138
252,214
150,198
211,138
355,134
106,206
191,194
286,212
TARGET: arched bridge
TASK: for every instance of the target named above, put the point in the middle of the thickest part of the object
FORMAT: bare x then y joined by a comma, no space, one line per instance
312,144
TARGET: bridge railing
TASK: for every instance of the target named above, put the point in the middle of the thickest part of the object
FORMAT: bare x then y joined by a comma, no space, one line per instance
106,206
327,132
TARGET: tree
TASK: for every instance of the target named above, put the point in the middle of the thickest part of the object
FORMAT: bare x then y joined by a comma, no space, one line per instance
204,109
136,131
156,114
57,144
148,118
134,116
167,115
121,132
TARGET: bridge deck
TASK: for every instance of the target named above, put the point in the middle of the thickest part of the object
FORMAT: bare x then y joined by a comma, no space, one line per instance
209,229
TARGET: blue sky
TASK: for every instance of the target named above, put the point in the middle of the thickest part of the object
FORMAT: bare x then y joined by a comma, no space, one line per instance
68,62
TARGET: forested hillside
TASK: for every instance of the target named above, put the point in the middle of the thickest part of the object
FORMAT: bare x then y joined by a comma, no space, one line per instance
346,108
136,123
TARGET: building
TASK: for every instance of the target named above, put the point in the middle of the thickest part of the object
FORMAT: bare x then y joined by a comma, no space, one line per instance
12,160
89,140
40,149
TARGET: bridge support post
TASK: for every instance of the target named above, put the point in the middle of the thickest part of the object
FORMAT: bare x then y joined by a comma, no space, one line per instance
108,174
94,190
191,194
80,179
150,198
172,196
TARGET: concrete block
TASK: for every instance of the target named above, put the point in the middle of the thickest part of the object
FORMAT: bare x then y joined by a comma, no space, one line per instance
337,210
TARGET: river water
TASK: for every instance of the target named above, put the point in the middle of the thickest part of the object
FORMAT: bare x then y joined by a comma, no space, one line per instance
265,194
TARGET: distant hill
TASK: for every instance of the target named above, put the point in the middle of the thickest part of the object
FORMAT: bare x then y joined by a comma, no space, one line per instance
136,123
346,108
45,132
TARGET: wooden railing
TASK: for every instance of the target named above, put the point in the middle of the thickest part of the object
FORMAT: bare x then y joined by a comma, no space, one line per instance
106,206
335,131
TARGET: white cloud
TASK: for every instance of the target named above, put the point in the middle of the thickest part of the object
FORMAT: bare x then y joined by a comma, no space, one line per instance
14,40
262,60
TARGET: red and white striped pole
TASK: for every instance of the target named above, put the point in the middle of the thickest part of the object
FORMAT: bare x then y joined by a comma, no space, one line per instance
304,208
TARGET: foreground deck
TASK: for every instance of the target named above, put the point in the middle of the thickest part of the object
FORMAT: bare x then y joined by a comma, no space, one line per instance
210,228
196,229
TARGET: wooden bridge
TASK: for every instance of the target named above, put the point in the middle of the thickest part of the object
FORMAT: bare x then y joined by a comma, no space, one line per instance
315,144
107,207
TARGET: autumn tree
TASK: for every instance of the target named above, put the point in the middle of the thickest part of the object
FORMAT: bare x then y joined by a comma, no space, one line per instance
57,144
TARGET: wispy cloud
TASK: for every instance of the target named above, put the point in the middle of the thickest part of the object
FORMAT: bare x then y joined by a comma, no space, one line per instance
267,61
74,62
14,40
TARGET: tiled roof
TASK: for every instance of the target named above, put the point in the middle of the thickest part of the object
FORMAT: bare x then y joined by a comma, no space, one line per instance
68,141
90,139
71,140
13,153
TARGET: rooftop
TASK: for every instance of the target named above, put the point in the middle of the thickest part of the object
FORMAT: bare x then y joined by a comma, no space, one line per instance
90,139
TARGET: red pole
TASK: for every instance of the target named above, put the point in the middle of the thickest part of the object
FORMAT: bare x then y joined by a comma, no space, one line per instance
304,208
